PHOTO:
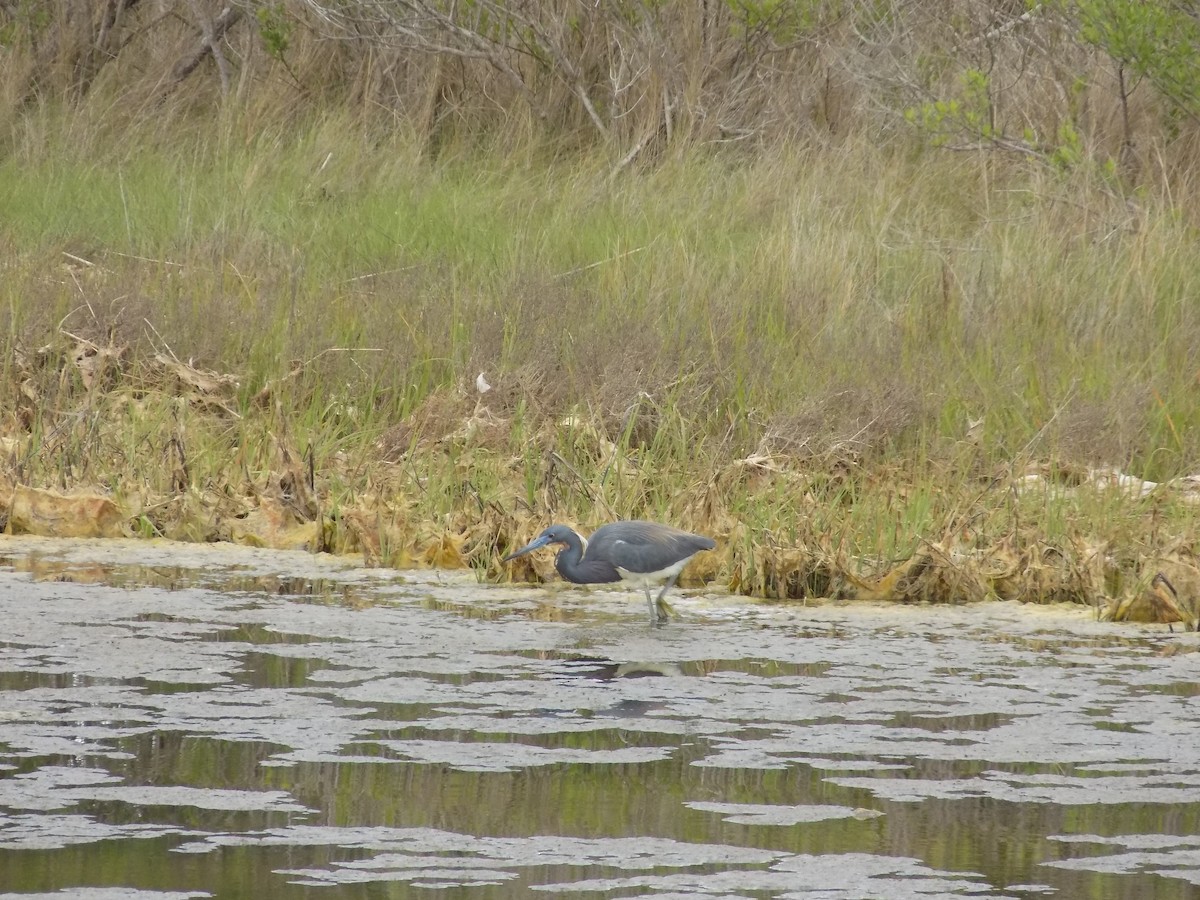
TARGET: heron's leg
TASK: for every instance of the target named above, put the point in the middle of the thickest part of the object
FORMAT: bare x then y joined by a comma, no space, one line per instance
661,610
653,610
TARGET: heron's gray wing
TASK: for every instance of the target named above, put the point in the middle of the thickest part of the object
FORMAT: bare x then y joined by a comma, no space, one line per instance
643,547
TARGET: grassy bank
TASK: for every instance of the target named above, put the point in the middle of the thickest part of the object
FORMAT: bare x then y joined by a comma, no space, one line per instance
871,371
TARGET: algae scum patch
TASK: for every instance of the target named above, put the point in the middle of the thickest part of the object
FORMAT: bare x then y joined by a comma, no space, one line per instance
191,721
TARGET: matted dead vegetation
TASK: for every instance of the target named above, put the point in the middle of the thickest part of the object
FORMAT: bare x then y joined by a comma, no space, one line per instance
131,445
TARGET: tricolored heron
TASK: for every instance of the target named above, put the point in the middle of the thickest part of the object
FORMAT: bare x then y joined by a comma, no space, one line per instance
642,553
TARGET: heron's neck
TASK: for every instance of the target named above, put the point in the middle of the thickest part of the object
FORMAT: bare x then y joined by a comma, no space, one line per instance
574,566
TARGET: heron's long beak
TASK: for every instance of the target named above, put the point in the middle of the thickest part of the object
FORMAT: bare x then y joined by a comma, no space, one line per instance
535,544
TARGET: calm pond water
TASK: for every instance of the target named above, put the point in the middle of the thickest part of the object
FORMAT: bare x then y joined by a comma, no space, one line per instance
181,721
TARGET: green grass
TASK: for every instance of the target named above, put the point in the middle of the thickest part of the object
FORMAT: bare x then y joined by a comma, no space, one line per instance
785,279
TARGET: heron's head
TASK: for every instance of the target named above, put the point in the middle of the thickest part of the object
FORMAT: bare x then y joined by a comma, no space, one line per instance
555,534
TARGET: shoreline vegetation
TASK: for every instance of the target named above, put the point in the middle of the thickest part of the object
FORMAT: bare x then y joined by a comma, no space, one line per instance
886,323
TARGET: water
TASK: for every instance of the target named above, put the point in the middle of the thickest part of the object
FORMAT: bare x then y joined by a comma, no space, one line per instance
181,721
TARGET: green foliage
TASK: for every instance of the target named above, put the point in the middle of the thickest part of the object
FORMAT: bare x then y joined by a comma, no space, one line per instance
1068,151
275,29
1157,40
783,20
967,117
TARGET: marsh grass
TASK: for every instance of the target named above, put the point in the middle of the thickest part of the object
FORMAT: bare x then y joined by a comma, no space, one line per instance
788,348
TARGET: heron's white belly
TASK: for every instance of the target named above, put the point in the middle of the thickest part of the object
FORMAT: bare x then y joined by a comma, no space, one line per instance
645,579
